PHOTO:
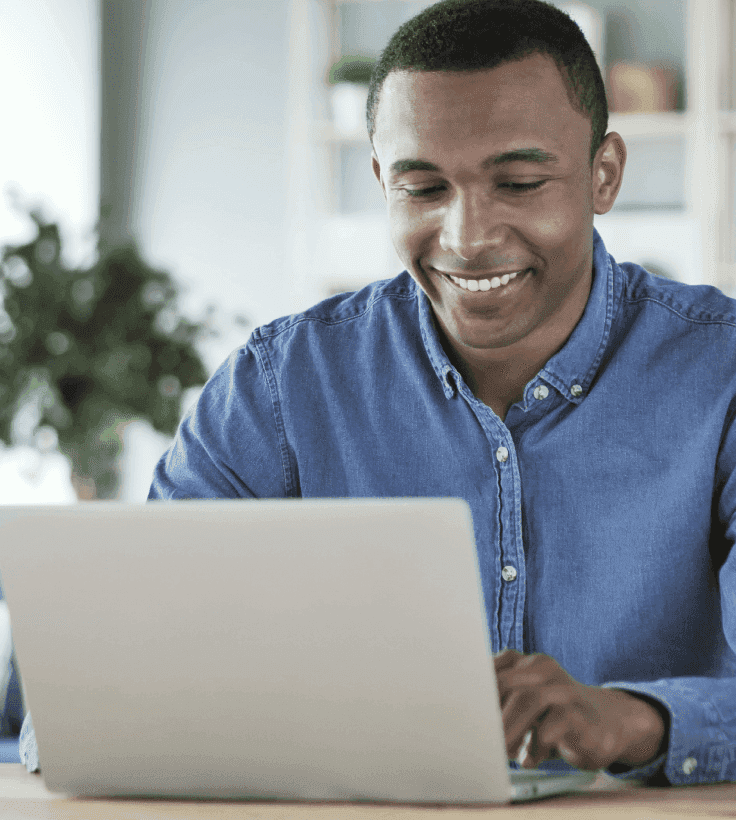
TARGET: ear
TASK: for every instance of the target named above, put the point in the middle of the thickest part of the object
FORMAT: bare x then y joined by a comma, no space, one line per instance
375,164
608,172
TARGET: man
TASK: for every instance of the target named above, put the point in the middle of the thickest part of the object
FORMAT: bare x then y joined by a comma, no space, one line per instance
581,407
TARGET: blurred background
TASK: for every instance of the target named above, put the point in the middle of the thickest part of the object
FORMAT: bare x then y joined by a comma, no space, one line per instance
176,172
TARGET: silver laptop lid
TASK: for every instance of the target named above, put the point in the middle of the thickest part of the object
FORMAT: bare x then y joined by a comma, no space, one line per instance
304,649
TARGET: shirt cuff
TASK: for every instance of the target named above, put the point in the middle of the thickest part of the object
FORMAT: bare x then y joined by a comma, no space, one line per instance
652,773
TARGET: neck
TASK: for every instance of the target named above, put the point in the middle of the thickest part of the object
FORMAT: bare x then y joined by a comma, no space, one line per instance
498,376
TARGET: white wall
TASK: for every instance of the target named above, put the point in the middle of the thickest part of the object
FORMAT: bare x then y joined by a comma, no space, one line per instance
49,140
212,174
49,151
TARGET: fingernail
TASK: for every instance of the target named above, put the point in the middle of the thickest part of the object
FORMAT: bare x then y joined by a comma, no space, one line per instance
566,753
524,750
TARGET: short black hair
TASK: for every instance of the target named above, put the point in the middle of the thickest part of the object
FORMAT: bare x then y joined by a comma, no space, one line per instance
474,35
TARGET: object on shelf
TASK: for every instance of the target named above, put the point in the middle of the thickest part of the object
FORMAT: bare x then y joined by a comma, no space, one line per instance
590,22
641,88
349,78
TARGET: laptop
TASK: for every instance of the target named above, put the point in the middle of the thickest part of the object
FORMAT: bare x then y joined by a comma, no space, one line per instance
309,650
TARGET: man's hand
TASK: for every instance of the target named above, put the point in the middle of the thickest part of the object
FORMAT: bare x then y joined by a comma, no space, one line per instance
591,727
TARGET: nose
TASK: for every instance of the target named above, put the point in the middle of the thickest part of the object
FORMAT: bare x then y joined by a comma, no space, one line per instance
471,226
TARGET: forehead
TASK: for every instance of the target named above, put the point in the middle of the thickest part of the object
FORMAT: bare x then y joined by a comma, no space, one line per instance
518,104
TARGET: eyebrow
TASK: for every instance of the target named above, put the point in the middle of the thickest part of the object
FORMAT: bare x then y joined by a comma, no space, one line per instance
402,166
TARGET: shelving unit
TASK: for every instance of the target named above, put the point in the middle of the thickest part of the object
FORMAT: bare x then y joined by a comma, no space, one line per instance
676,211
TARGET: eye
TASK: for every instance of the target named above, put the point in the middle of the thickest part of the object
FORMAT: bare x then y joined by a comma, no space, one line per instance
523,186
418,193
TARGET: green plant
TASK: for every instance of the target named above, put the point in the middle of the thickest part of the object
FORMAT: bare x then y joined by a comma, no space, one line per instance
84,350
352,69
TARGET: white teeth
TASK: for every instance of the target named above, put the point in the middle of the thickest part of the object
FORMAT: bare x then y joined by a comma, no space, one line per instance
485,284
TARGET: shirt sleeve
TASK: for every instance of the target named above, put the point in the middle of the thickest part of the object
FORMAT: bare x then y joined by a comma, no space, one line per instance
702,730
231,443
702,710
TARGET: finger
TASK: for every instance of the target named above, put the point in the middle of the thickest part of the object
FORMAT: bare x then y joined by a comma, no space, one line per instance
516,671
552,730
533,752
520,714
506,658
529,671
524,756
592,748
526,707
504,662
519,678
577,743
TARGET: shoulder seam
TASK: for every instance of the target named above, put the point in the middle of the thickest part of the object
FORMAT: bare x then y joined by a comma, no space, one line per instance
325,321
698,320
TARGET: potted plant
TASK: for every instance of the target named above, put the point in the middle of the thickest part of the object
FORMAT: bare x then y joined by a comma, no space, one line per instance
349,78
84,351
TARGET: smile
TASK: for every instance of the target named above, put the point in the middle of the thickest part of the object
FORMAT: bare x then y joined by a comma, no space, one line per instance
476,285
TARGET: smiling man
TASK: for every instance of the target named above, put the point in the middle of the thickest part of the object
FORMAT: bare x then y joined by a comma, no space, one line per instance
584,409
491,196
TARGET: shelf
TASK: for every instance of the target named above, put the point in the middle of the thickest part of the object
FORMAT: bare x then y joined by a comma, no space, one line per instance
659,124
681,165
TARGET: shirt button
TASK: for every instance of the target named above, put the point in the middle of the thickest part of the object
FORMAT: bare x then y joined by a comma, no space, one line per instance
576,390
689,766
502,454
541,392
509,574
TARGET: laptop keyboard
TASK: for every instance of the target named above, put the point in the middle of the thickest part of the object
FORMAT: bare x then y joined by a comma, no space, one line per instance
529,774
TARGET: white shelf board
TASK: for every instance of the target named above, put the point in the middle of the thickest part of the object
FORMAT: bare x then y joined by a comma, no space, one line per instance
656,124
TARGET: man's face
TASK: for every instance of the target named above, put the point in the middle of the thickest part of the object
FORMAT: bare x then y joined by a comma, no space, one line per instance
487,175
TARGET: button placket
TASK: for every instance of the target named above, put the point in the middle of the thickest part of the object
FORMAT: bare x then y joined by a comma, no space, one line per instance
510,564
509,573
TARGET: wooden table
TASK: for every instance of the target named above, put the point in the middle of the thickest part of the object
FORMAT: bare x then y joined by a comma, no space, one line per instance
24,795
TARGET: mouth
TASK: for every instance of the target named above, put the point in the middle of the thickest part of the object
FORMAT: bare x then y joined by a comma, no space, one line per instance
492,286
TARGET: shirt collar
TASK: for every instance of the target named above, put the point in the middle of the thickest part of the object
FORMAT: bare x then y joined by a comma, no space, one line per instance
572,368
430,336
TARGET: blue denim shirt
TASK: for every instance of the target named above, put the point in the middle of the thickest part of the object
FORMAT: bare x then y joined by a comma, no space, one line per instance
609,488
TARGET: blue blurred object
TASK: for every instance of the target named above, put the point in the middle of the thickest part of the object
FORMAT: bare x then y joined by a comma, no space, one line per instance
9,750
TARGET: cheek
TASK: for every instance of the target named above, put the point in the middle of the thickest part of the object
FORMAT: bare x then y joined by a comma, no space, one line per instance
409,234
558,222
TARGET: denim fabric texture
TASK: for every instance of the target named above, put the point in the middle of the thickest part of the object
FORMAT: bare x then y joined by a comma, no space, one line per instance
611,492
615,504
